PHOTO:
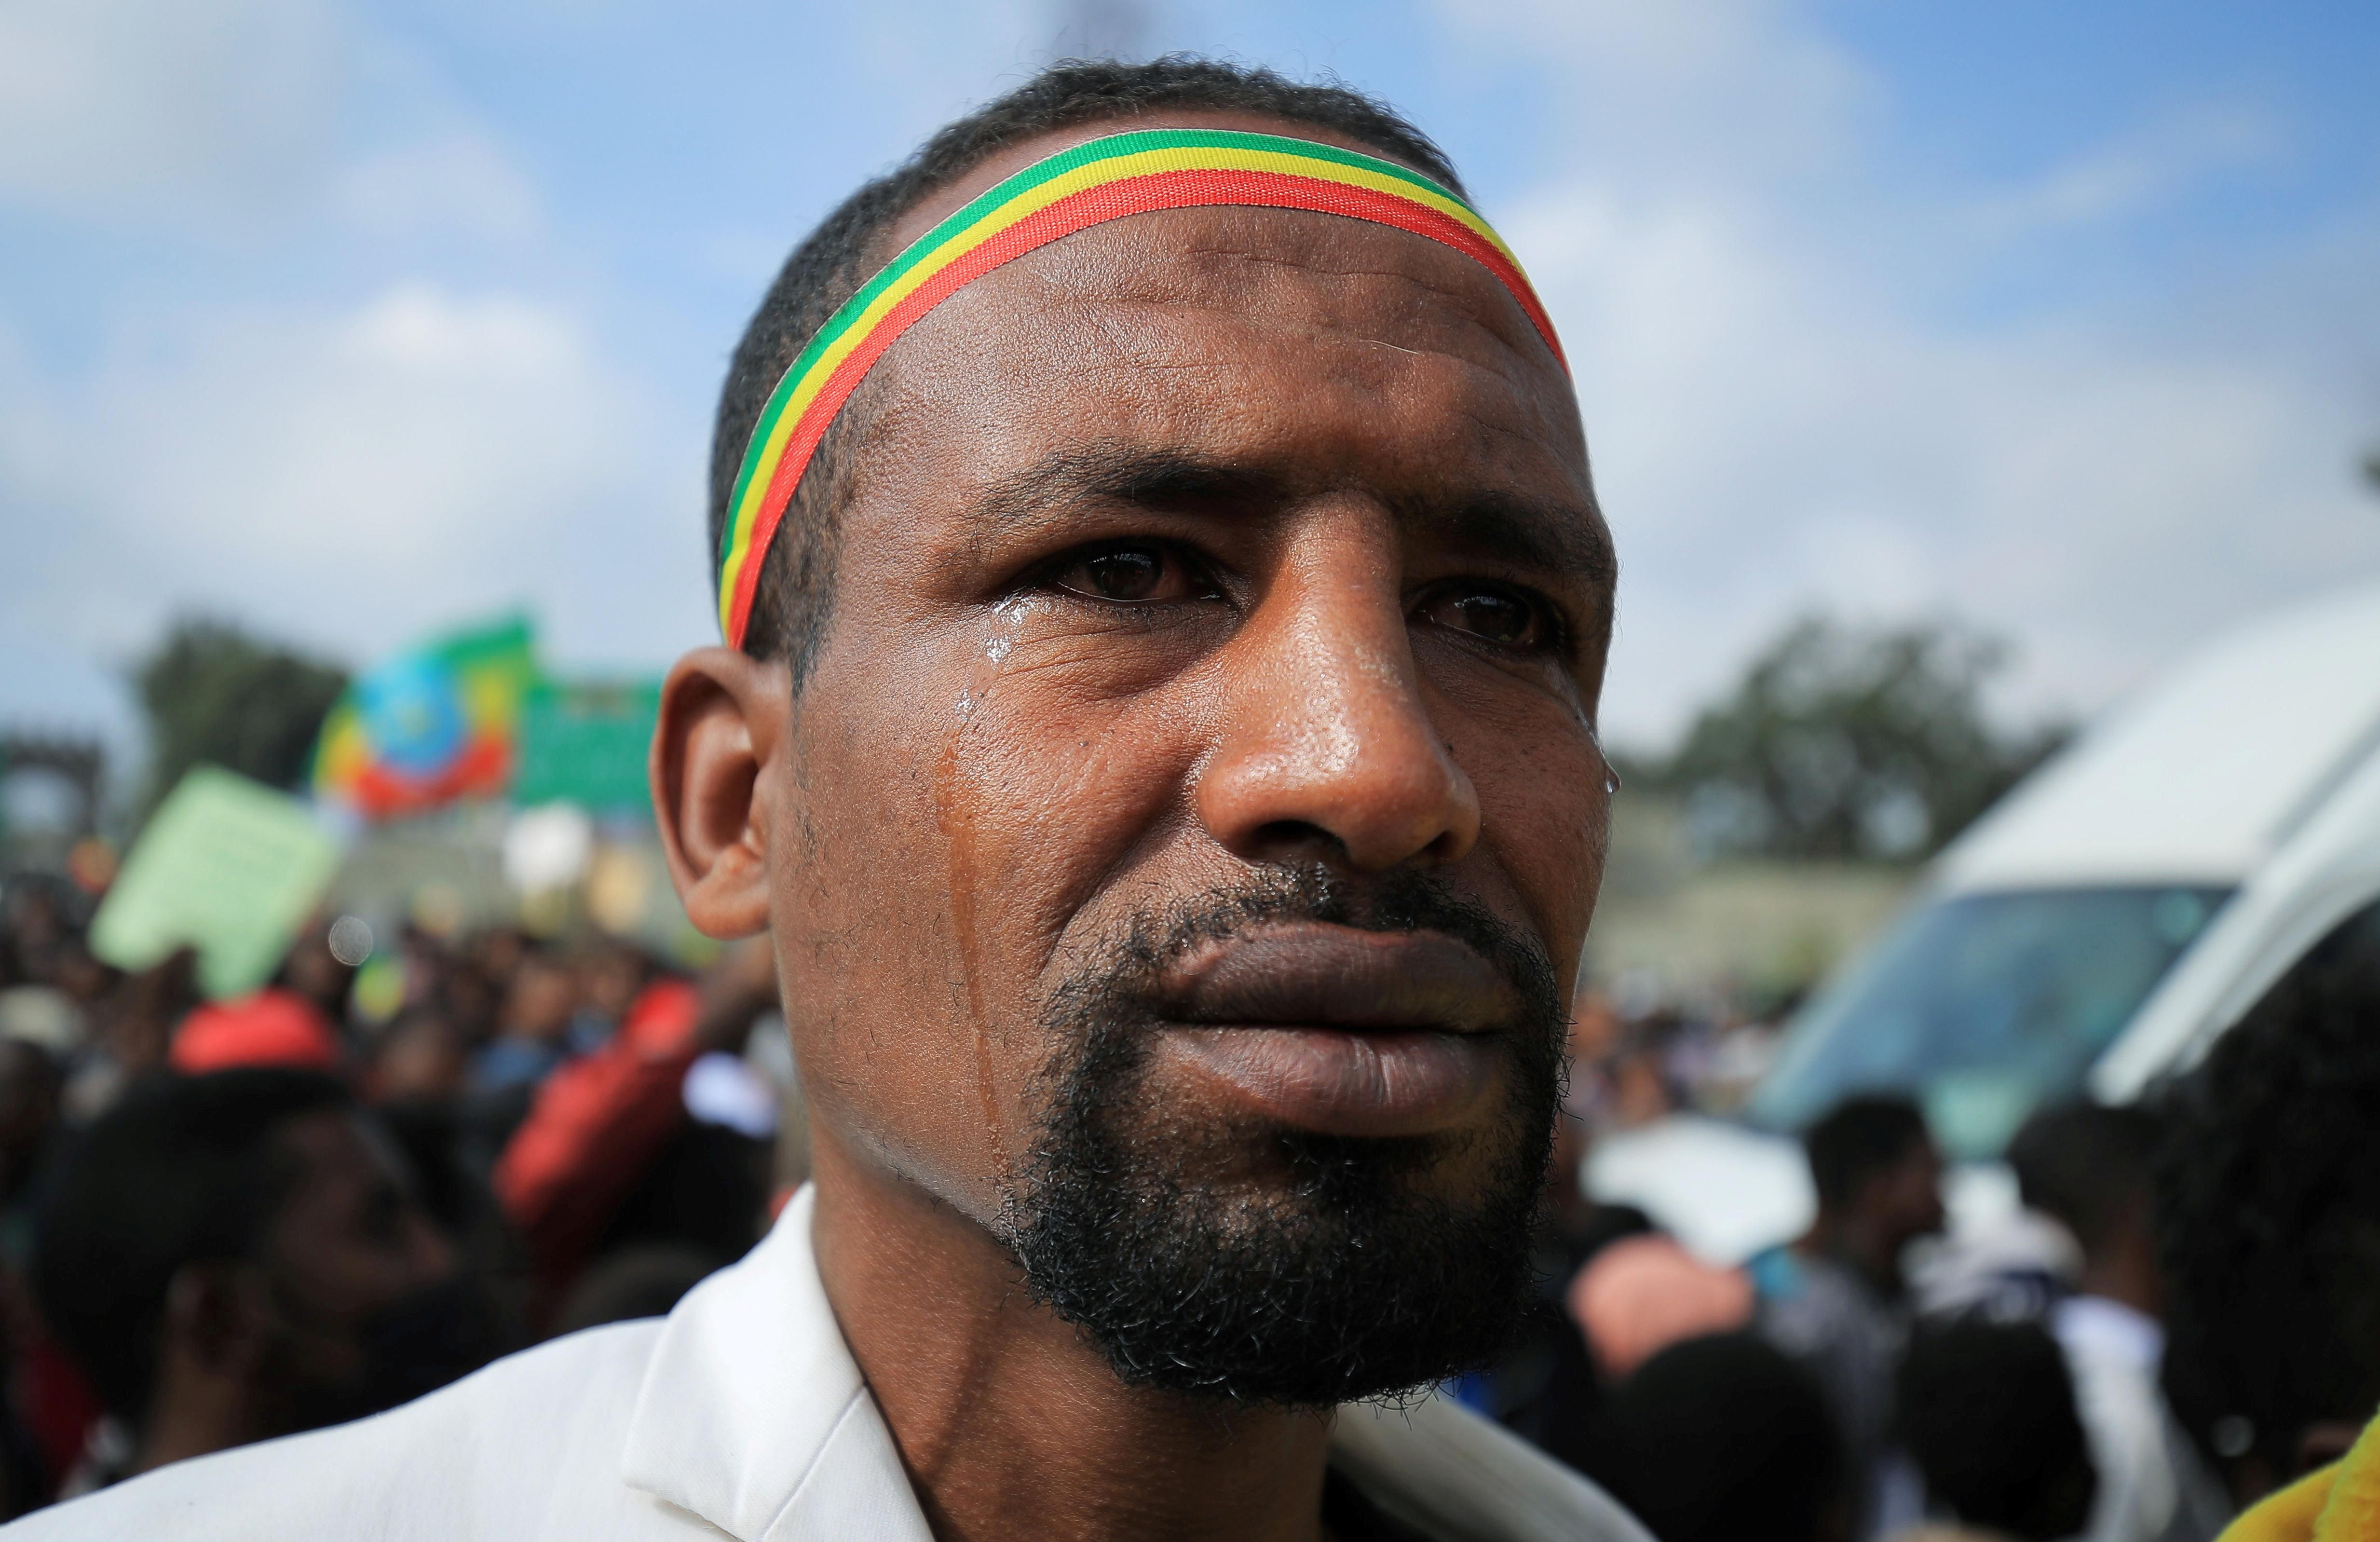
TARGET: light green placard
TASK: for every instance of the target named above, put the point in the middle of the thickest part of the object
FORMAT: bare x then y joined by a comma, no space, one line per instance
225,865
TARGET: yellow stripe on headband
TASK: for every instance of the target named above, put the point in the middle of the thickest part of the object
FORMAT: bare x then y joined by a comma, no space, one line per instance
1100,180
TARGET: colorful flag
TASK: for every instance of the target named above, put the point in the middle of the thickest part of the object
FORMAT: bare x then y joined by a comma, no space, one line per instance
433,724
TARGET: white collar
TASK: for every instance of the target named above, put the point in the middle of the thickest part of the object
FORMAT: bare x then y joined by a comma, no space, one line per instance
753,1417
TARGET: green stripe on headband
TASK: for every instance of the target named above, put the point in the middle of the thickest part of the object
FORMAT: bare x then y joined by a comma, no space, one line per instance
1089,184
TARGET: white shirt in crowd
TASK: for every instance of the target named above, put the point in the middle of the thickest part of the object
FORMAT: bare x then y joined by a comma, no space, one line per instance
2152,1486
741,1414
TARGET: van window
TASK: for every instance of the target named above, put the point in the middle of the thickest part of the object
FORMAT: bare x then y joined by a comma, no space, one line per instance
1984,1007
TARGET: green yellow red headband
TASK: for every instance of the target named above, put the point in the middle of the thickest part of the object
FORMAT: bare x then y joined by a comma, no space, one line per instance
1094,182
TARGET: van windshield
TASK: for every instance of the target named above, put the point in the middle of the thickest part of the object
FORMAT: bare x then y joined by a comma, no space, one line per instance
1984,1007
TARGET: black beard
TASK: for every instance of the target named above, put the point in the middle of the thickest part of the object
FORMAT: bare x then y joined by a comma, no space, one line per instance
1337,1276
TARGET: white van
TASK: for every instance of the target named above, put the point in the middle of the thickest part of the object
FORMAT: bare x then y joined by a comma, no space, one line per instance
2094,932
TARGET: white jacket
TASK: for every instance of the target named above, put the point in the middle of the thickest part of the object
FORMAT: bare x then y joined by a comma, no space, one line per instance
741,1414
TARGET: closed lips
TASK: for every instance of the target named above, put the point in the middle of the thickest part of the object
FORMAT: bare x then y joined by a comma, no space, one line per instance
1317,975
1339,1031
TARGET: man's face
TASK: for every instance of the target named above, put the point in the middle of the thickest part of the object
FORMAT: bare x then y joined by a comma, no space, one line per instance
1195,810
541,1001
373,1307
1906,1199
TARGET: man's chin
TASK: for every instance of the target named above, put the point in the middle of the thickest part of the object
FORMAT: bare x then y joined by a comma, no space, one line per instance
1294,1215
1341,1274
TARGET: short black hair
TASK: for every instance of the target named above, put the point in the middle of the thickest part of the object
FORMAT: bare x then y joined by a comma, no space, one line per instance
794,594
1865,1135
2268,1211
2089,1166
1720,1438
182,1171
1986,1411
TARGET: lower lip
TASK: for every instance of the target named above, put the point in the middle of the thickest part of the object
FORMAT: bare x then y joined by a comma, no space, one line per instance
1333,1081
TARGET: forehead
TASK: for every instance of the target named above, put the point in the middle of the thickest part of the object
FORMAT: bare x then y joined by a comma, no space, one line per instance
1220,300
1342,350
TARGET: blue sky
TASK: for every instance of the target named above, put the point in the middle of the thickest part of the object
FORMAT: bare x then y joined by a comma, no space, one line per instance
353,319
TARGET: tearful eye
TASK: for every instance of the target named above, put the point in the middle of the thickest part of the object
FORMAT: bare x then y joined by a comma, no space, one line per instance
1126,575
1491,615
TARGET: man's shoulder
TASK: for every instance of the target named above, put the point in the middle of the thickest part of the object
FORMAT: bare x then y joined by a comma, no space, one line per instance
1445,1472
529,1447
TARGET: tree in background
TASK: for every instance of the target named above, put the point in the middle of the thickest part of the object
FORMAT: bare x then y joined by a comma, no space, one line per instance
1844,742
214,693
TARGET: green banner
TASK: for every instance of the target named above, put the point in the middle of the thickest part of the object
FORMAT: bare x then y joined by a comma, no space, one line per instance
586,744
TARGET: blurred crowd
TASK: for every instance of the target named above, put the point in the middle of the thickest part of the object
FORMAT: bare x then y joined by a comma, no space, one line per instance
2182,1318
222,1220
1636,1065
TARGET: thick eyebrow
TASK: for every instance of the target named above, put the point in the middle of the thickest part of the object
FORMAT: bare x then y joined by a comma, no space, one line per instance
1123,475
1561,539
1564,539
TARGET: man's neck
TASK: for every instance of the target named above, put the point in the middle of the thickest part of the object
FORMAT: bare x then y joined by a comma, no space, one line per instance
2125,1270
1009,1423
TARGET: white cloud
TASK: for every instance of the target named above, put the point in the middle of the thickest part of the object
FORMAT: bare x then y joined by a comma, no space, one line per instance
143,107
452,181
2133,174
353,477
1683,91
238,117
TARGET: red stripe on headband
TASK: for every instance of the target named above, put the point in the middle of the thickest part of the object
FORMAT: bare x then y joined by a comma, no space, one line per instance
1140,195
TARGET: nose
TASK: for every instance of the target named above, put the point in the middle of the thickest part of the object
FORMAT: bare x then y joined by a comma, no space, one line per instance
1326,738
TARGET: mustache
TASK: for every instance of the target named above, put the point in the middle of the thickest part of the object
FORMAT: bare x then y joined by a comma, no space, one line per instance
1402,901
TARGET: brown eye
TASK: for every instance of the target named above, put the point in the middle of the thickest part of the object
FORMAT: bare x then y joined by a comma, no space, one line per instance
1126,575
1491,615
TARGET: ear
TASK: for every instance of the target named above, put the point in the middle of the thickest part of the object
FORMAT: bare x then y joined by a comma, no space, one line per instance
216,1317
726,725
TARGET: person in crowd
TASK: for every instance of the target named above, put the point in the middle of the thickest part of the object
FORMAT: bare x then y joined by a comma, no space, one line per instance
238,1255
132,1029
30,1085
1724,1438
272,1027
41,936
1835,1298
2094,1169
613,972
1642,1293
533,1035
1156,739
643,1280
468,989
1987,1412
2268,1213
419,1059
313,972
31,1088
1546,1386
297,1020
41,1012
607,1158
416,1084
